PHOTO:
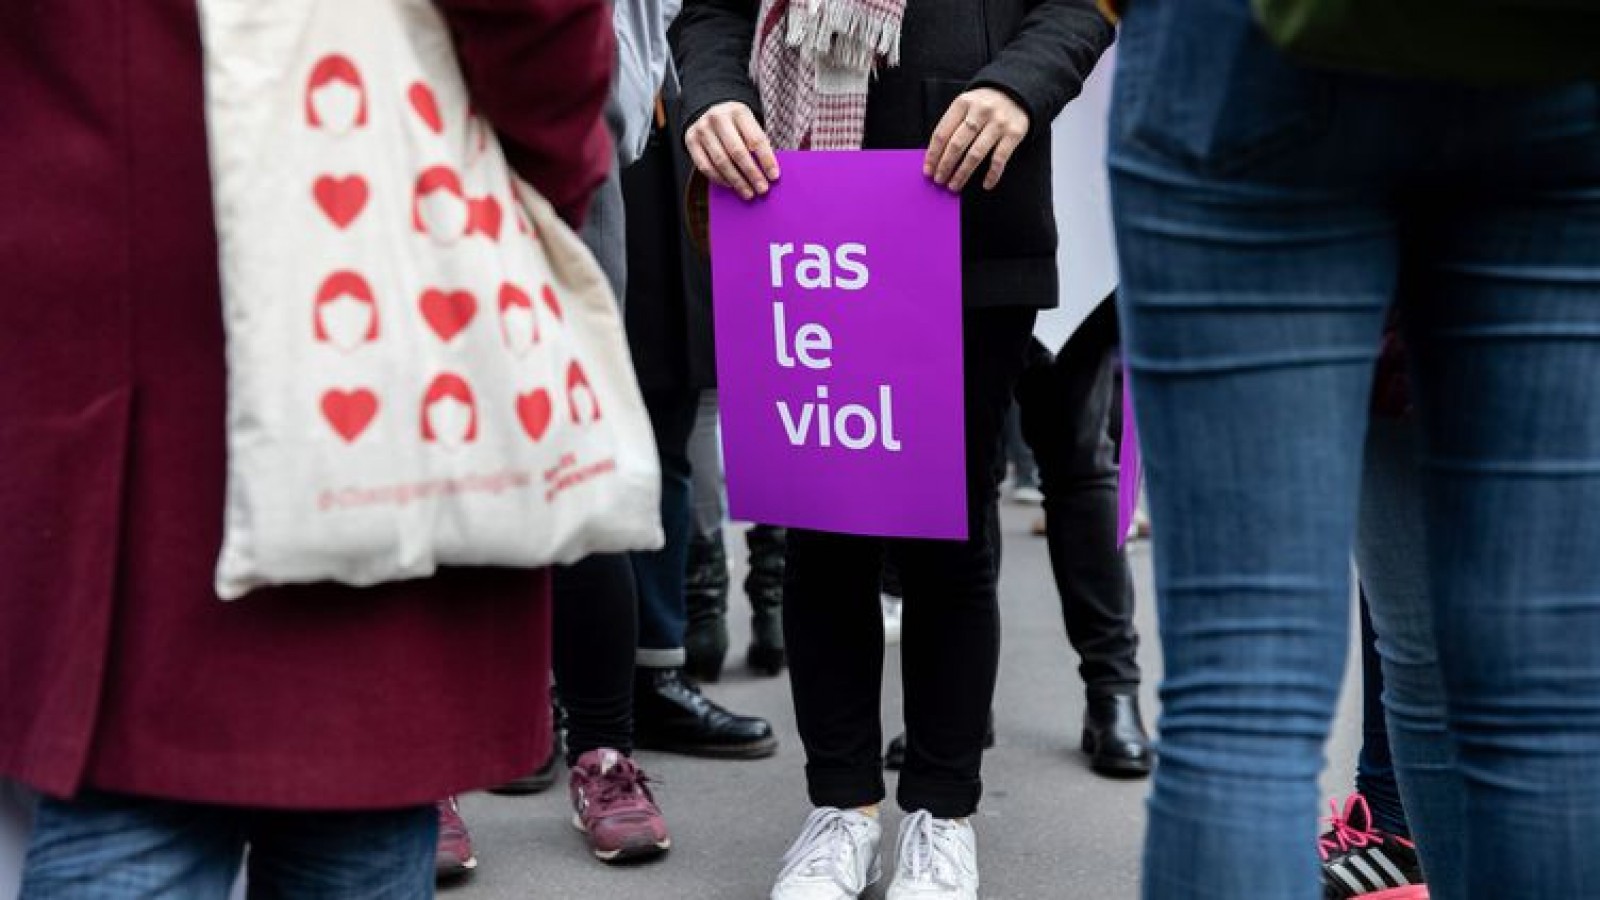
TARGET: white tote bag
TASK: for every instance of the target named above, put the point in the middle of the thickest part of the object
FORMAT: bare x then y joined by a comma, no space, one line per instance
425,366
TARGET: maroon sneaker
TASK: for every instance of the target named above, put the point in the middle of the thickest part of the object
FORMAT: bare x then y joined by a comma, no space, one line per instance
453,857
613,805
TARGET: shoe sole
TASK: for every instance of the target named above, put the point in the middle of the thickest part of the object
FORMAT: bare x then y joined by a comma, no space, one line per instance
756,750
1131,769
525,787
457,872
703,673
767,661
644,849
1409,892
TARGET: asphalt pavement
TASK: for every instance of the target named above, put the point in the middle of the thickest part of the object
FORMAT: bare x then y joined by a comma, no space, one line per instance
1049,828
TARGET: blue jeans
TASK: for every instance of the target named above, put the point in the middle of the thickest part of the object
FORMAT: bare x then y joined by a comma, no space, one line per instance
661,575
113,847
1391,554
1267,215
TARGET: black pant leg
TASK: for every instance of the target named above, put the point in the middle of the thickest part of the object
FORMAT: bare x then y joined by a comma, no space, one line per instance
950,652
595,626
833,627
1067,411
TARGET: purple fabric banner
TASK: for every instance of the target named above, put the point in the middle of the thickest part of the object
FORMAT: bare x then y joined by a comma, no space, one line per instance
1129,465
838,313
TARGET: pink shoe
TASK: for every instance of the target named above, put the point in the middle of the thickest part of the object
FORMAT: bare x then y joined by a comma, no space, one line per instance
453,858
1362,862
613,806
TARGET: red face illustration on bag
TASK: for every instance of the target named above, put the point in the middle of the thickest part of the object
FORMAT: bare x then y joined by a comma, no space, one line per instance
449,412
346,314
440,209
582,403
336,96
519,324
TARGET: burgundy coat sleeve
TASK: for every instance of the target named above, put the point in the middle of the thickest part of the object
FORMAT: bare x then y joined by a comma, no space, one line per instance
540,71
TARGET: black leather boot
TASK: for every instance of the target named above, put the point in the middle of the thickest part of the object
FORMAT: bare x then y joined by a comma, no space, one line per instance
894,756
764,586
1114,737
671,715
543,778
705,640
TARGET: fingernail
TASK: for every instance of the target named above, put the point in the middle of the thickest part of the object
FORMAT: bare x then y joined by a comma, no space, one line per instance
761,187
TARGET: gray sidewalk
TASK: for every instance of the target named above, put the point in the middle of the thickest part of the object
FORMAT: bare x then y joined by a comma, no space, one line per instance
1049,828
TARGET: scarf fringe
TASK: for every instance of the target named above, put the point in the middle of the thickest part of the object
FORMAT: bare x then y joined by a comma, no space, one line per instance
846,34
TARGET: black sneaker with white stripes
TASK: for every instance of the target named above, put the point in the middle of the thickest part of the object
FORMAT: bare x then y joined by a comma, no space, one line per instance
1362,862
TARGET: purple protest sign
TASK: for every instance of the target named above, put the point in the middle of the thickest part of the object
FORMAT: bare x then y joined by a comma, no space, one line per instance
838,313
1129,465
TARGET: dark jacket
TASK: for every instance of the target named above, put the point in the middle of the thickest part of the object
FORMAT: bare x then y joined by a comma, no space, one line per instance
119,667
1038,51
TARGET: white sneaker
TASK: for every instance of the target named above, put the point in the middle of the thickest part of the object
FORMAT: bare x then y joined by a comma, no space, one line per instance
835,857
1027,495
892,617
938,860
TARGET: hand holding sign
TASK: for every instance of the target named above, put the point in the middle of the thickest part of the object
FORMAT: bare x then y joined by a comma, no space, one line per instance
731,148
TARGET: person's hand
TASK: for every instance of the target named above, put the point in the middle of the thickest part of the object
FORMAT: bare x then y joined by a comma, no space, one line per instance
730,147
981,124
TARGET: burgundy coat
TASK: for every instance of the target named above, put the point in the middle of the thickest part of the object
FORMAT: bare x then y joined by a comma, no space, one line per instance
119,667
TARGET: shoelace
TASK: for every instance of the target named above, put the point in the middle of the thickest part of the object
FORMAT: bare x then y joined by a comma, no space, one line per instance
1348,830
624,788
928,851
821,849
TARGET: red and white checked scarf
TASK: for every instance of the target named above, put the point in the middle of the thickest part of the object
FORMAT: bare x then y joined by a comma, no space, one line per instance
813,61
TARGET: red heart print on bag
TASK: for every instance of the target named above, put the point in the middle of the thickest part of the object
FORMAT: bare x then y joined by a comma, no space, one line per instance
536,412
426,106
550,301
484,217
341,199
448,314
581,396
350,412
516,206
